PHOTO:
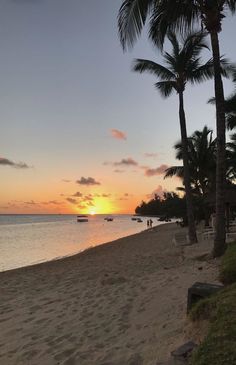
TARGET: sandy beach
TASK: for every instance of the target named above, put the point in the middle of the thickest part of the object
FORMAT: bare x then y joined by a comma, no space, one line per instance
116,304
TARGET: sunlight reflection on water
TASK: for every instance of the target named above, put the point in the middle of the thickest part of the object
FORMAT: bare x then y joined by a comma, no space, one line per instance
26,240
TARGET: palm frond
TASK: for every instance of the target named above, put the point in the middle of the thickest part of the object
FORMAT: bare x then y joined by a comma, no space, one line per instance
194,43
131,19
175,44
141,65
174,171
231,121
231,5
166,88
230,104
228,69
202,73
172,15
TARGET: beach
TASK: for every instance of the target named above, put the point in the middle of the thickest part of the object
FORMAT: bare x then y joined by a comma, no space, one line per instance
119,303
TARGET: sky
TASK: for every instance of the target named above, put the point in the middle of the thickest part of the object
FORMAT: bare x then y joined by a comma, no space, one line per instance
81,132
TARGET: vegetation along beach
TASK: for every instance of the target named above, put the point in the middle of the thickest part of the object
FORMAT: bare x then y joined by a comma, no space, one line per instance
118,193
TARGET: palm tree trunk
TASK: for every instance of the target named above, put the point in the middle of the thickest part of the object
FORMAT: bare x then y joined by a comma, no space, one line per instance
189,202
219,241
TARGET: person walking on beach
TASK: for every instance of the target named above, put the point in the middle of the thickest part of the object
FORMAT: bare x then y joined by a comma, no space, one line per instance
150,223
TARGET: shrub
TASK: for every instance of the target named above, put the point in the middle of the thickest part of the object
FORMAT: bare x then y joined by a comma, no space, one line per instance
228,265
218,348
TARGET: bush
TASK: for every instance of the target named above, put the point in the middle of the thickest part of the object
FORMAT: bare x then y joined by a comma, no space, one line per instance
228,265
218,348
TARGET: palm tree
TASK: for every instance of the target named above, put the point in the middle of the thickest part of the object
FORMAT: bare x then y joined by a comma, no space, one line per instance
182,15
202,162
183,65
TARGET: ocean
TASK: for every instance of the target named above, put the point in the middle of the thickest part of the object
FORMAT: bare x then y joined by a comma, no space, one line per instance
31,239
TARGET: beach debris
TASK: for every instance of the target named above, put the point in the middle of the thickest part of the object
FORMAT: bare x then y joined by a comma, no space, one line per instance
182,354
199,291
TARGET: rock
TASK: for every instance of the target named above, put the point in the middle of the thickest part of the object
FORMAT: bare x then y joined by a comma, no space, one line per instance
182,354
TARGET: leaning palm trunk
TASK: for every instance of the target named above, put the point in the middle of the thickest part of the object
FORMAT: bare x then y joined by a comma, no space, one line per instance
219,242
189,201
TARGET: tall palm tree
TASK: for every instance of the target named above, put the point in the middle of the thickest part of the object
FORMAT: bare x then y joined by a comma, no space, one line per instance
183,65
182,15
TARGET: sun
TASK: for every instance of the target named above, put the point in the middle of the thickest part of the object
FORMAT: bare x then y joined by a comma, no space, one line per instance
92,212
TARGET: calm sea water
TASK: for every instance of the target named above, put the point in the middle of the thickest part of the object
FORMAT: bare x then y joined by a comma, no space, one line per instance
31,239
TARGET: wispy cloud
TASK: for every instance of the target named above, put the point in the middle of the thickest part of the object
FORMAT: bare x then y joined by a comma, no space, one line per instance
72,201
31,202
18,165
117,171
66,181
126,162
160,170
52,202
118,134
87,181
78,194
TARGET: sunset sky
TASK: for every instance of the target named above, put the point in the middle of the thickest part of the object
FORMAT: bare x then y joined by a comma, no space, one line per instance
80,132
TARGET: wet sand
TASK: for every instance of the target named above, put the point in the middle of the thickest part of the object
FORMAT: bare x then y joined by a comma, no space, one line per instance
116,304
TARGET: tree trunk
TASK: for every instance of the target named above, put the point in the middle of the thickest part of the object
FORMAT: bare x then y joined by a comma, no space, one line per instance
187,185
219,241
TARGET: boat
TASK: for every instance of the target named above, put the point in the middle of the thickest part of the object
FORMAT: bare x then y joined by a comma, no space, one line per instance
139,220
134,219
82,216
108,219
81,220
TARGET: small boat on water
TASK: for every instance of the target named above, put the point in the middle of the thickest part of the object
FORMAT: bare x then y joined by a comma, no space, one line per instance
108,219
139,220
134,219
81,220
82,216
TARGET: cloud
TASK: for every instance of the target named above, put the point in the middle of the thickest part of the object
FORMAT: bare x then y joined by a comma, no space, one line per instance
159,191
72,201
78,194
87,181
66,181
118,171
31,202
54,202
90,204
150,155
126,162
105,195
88,198
157,171
81,206
118,134
17,165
